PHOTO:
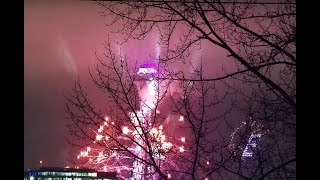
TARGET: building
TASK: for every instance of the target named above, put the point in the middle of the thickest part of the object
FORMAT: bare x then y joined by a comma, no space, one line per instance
52,173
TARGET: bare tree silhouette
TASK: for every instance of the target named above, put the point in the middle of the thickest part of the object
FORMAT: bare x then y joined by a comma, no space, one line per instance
171,142
259,37
209,144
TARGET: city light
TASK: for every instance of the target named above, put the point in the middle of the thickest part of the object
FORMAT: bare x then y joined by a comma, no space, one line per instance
256,134
252,143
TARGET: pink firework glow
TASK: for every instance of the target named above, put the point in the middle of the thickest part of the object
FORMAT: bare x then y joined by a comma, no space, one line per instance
126,148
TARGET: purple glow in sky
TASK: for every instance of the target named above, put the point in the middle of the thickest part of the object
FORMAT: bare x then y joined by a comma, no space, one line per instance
60,41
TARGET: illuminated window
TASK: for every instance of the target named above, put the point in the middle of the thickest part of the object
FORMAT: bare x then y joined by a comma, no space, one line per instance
92,174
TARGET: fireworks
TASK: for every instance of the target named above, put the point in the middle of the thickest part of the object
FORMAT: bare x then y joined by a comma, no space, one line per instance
181,149
183,139
125,130
123,149
101,156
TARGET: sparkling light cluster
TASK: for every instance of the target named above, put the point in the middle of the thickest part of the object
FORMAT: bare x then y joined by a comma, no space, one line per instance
105,154
256,132
252,143
101,156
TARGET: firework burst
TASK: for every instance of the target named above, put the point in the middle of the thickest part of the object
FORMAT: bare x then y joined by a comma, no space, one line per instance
134,148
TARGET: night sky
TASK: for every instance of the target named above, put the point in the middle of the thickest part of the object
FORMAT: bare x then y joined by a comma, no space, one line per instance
60,41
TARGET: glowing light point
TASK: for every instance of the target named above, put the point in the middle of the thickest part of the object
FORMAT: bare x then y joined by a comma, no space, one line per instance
88,148
114,154
100,154
169,176
181,118
183,139
98,137
181,149
107,138
153,131
138,148
208,163
167,146
118,170
31,178
78,157
100,129
112,123
106,118
157,111
125,130
106,123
